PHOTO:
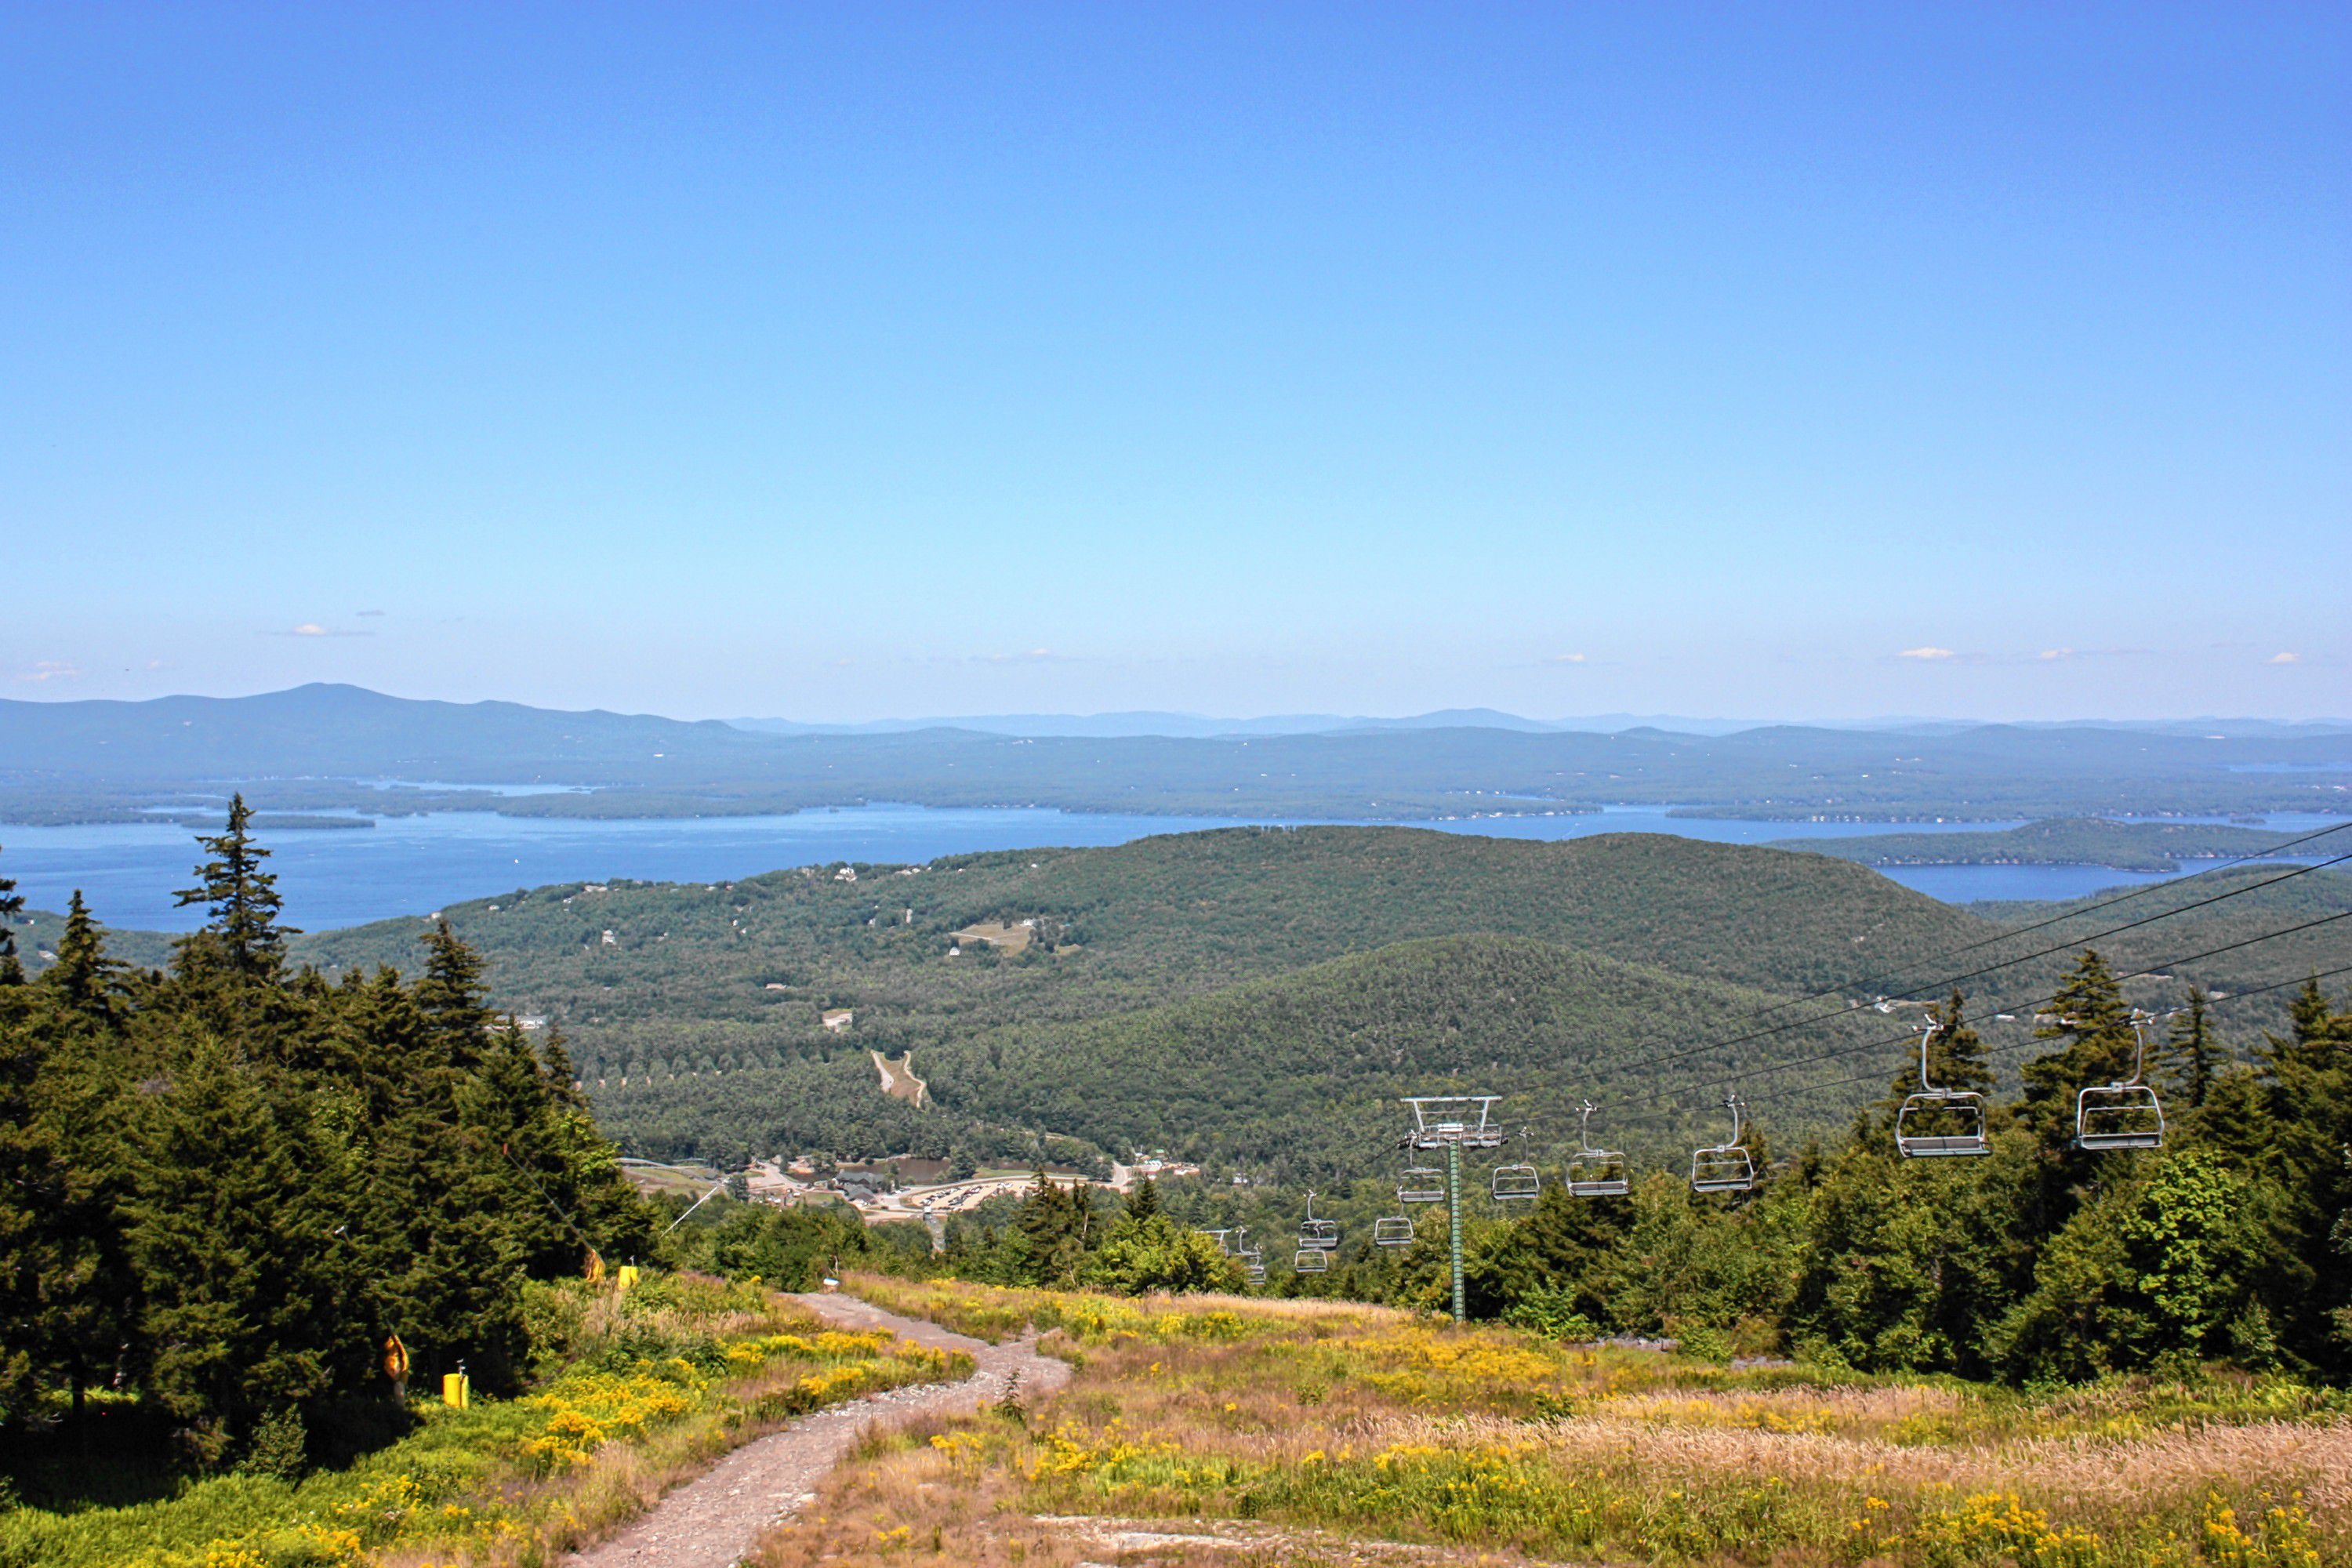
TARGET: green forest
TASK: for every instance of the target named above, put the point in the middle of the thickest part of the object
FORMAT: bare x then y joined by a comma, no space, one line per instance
2062,841
2040,1262
237,1181
230,1182
691,1012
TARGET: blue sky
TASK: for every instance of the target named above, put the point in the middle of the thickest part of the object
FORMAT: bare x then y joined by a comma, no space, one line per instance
1797,361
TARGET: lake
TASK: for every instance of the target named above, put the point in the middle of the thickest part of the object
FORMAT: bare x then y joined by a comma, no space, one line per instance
408,864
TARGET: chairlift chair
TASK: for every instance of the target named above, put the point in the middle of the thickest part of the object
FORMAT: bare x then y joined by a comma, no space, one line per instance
1393,1231
1516,1182
1317,1235
1595,1173
1725,1167
1311,1261
2123,1115
1422,1184
1463,1120
1934,1122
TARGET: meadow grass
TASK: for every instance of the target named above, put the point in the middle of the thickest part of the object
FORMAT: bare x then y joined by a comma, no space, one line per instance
660,1382
1344,1421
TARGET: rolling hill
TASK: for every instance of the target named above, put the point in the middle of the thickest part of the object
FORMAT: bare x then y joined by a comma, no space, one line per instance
1254,995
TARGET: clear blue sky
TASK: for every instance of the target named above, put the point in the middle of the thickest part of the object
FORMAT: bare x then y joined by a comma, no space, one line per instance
863,360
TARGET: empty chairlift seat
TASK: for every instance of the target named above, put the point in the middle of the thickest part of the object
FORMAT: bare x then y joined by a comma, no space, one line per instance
1935,1122
1725,1167
1312,1262
1595,1173
1422,1184
1513,1182
1317,1235
1395,1230
2123,1115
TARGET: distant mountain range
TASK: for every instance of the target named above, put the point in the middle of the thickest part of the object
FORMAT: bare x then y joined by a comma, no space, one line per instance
1195,726
342,747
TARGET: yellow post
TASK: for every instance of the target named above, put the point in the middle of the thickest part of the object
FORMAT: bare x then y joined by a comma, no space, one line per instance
454,1387
624,1277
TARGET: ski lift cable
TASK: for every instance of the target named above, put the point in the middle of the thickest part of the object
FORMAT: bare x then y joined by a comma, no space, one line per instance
2012,1007
2005,963
2141,891
2094,936
1795,1089
2162,966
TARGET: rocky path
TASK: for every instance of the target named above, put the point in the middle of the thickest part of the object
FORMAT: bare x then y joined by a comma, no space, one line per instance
712,1522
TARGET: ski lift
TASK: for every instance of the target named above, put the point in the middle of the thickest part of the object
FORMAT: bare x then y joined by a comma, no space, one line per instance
1317,1235
1939,1121
1725,1167
1393,1231
1464,1119
1595,1173
2123,1115
1422,1184
1311,1262
1515,1184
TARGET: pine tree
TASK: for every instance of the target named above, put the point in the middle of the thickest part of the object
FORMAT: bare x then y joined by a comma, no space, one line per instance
12,904
84,978
1144,1201
250,1306
453,997
243,937
2089,1014
1956,1056
2191,1058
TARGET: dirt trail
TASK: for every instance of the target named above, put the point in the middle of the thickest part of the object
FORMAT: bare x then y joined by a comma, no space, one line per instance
712,1520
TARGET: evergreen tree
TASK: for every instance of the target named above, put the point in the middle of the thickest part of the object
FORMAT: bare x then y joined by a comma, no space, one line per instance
2088,1013
1144,1201
84,979
452,997
242,940
12,904
2191,1059
251,1309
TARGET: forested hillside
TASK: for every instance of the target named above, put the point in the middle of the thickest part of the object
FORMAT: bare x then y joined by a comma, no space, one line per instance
707,999
1297,1078
720,969
2063,841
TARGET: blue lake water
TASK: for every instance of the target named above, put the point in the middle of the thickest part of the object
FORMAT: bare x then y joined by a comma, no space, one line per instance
408,864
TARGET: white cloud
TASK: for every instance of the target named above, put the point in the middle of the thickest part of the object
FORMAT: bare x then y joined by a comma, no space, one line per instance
2049,655
1925,653
1567,659
313,630
50,669
310,629
2284,658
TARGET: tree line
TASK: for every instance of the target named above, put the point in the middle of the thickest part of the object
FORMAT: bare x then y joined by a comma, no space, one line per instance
2232,1242
230,1189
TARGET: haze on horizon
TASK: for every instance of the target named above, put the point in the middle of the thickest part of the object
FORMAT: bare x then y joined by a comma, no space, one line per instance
1816,363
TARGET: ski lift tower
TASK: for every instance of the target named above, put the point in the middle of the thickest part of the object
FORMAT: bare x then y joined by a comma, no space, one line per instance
1454,1122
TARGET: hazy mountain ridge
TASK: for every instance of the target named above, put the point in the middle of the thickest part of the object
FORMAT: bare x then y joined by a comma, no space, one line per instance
310,749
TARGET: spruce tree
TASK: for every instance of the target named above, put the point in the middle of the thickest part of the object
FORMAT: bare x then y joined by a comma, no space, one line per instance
84,979
1956,1056
2088,1013
251,1307
452,997
243,939
12,904
2191,1058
